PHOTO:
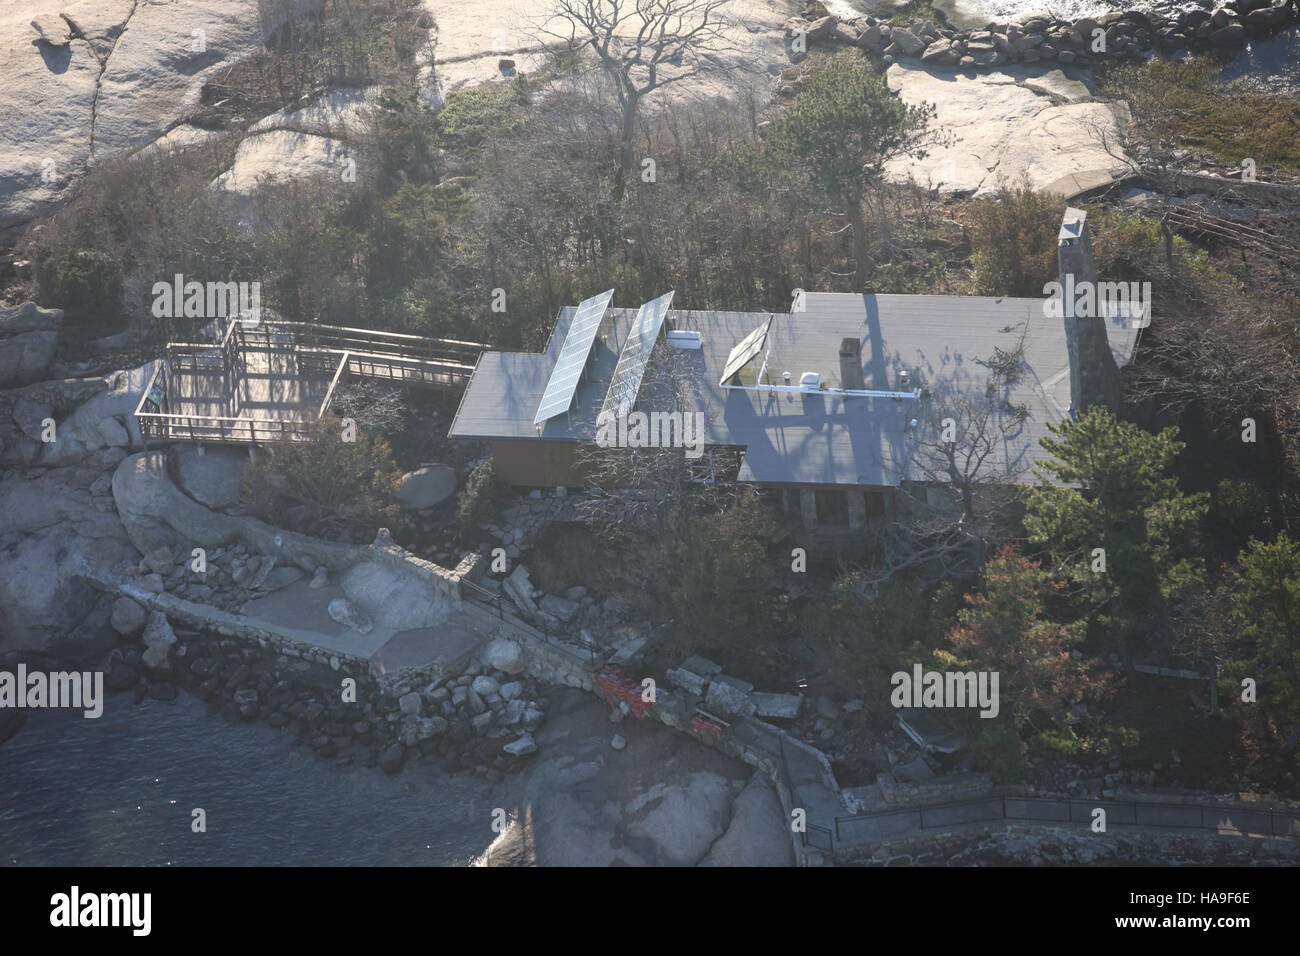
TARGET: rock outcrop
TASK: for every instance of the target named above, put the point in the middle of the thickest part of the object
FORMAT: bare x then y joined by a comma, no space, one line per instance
29,336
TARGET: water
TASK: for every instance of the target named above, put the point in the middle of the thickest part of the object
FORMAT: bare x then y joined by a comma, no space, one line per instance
1274,62
119,791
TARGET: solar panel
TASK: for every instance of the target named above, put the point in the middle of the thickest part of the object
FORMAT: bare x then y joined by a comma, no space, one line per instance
634,358
749,346
574,353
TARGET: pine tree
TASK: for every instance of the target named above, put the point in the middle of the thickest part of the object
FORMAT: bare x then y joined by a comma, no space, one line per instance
1113,522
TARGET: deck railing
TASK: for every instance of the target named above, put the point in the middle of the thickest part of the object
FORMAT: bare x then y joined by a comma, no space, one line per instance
320,350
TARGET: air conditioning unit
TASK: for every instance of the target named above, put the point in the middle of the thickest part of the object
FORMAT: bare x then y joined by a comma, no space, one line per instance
811,379
684,339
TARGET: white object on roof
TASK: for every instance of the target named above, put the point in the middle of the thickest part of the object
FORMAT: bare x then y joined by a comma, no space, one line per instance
684,339
811,379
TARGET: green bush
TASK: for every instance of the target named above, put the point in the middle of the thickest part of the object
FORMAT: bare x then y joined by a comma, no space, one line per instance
1014,243
481,496
332,485
474,116
1000,752
86,285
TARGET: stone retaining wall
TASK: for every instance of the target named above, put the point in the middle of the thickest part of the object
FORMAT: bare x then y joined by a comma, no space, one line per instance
444,582
1119,35
203,617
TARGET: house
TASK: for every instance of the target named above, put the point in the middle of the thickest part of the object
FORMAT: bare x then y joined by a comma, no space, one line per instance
833,404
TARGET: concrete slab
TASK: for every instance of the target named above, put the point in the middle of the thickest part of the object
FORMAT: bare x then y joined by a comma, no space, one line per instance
446,648
301,610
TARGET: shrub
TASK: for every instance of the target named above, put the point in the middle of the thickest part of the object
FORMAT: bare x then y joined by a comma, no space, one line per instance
1000,752
325,485
1014,243
86,285
481,496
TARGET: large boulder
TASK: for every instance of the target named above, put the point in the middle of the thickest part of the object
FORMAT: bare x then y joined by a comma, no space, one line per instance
941,51
210,475
426,487
29,336
54,542
349,615
504,655
128,617
1267,18
158,516
394,598
682,815
908,42
281,155
1234,34
1004,131
159,631
100,421
126,74
757,834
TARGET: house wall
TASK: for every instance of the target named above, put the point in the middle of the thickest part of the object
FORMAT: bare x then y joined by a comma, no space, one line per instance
539,464
832,508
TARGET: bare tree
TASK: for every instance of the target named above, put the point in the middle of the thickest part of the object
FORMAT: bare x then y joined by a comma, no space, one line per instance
633,490
968,449
642,46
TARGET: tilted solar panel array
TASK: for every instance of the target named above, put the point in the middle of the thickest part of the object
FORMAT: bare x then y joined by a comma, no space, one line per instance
635,357
572,361
747,348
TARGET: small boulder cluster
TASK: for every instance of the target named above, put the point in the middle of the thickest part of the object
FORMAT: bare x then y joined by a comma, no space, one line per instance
527,516
468,716
481,719
1127,34
233,576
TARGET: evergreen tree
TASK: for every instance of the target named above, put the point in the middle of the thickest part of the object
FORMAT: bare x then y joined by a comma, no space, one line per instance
1114,523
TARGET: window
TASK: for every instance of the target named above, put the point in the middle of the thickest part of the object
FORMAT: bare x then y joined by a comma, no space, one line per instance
832,508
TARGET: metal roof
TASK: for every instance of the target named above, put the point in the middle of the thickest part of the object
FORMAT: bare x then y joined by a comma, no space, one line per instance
819,438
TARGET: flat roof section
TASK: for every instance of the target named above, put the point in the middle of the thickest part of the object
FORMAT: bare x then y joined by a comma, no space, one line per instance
818,439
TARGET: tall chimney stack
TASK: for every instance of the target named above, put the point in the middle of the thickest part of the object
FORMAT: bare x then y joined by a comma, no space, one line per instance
1094,376
851,364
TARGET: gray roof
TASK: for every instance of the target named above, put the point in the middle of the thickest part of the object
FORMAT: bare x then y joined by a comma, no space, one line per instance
816,439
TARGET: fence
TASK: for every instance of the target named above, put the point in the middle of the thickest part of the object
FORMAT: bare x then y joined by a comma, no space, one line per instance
329,353
867,827
484,595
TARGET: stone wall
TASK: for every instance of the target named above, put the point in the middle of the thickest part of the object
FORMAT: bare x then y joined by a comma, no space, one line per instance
206,618
445,583
1123,35
1039,845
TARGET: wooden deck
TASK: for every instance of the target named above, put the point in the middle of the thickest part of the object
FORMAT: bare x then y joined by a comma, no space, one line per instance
274,381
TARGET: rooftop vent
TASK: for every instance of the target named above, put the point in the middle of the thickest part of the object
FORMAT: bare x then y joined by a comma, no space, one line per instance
684,339
811,379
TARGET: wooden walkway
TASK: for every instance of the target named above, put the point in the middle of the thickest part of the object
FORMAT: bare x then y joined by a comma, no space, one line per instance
274,381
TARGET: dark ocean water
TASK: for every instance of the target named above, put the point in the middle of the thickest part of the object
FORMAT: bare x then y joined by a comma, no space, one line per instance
119,791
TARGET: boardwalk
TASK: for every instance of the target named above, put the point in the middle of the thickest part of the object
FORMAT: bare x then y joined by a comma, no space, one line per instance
272,382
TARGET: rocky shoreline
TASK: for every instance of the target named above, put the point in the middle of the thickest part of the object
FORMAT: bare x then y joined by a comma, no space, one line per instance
479,720
1122,35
